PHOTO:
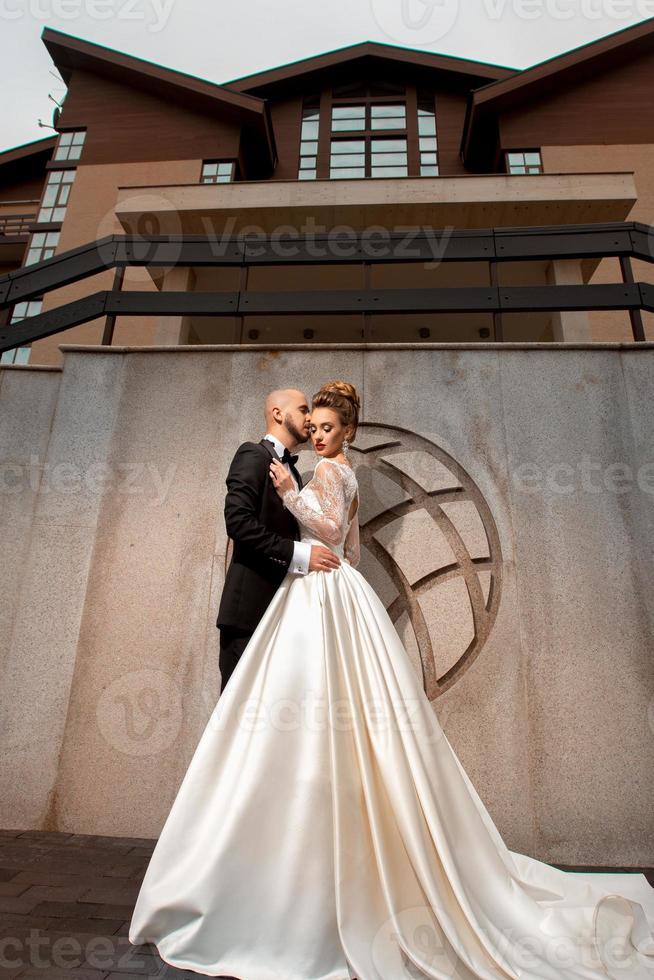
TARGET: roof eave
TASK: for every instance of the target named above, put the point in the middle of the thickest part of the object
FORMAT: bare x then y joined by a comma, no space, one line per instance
70,53
376,49
488,100
35,148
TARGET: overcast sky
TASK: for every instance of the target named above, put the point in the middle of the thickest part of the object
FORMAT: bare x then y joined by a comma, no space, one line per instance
224,39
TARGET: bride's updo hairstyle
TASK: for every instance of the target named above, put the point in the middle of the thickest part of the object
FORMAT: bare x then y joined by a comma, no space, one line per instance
343,399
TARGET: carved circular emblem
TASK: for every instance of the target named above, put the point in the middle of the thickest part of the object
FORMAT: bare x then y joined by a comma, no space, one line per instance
429,547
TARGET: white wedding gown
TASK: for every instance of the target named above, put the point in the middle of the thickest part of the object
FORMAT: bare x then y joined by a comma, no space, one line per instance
326,830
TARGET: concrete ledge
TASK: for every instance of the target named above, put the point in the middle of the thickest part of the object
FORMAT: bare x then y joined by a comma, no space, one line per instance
194,348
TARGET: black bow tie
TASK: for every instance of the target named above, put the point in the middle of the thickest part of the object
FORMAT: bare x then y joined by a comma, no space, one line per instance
287,458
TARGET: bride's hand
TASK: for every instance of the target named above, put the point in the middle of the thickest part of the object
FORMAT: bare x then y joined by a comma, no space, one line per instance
282,479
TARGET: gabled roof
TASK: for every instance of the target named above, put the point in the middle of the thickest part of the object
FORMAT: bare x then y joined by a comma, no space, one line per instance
26,162
70,53
548,76
34,149
369,49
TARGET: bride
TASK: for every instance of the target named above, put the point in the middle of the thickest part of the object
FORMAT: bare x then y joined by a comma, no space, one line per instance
325,828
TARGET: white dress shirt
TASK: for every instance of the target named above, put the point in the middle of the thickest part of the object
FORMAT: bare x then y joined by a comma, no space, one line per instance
301,549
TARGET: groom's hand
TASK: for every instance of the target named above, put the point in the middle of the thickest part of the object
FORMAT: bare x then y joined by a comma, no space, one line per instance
322,559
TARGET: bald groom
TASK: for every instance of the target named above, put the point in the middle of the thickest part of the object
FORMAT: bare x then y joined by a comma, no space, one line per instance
265,534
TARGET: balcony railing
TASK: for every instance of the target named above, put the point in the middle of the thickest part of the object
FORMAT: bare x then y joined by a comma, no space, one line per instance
13,225
625,240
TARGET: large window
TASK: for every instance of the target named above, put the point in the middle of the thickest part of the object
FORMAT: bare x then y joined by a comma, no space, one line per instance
309,140
69,145
523,162
55,196
368,155
366,132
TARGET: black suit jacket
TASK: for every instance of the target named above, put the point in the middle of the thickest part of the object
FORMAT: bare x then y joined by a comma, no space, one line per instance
263,532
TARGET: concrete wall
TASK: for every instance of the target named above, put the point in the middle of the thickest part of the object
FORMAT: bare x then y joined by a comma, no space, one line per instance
538,544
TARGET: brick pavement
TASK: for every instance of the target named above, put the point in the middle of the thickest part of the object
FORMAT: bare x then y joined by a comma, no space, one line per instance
66,901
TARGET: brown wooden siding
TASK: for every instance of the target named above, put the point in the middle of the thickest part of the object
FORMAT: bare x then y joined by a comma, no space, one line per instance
124,125
612,107
450,112
286,117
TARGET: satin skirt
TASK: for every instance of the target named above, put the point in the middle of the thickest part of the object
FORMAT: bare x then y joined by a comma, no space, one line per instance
326,830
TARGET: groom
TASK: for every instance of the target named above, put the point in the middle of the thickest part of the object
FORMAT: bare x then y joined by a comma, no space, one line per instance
265,534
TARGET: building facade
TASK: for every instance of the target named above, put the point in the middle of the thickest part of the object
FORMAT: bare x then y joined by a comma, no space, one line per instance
371,194
467,244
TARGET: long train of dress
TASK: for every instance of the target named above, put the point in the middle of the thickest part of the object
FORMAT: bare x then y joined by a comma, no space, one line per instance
326,830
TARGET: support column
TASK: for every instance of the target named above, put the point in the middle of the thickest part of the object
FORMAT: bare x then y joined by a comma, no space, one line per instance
173,330
568,325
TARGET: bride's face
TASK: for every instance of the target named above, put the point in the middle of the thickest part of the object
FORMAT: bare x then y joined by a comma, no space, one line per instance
327,432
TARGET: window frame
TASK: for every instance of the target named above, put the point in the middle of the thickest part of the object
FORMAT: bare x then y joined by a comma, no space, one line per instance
232,161
58,156
20,355
529,168
310,116
368,134
64,183
37,252
396,116
427,114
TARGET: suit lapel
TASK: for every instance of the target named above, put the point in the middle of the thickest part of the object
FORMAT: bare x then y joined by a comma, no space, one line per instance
273,452
269,446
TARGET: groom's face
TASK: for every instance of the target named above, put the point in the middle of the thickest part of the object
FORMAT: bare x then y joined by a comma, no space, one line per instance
296,417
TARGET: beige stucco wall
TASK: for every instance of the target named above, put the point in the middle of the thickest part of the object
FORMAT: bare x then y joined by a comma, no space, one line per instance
109,591
612,325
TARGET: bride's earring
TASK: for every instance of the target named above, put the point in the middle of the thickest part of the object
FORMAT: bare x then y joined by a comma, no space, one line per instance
346,446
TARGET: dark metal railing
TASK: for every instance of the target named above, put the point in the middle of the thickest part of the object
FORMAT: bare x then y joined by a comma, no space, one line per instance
626,240
12,225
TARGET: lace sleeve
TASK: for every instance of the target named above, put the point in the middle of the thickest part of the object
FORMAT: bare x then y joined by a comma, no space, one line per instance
352,548
327,519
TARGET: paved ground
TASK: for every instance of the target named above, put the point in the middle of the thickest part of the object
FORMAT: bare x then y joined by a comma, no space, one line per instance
65,905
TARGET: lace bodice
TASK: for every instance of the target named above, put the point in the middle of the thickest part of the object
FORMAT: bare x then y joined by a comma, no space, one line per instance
323,505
